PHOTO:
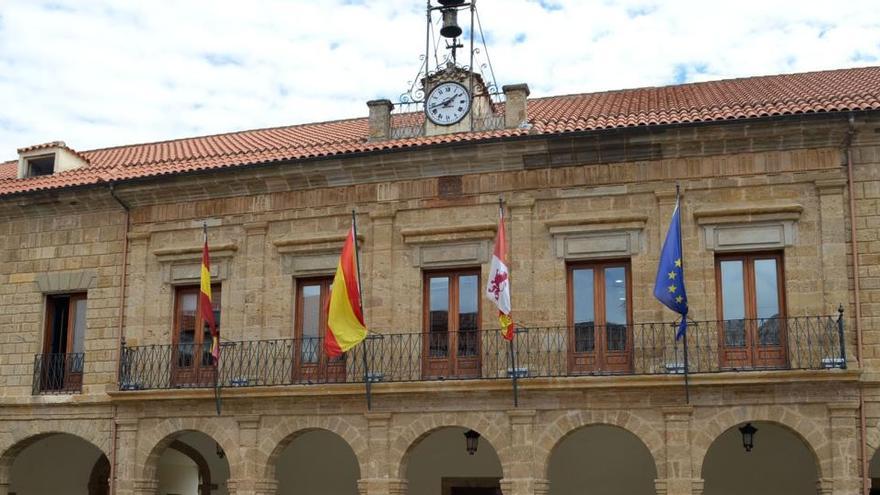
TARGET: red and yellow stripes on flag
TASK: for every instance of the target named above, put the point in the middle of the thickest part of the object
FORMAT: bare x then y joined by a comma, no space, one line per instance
207,308
498,286
345,319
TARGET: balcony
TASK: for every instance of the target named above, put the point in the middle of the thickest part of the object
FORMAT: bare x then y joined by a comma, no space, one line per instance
801,343
58,373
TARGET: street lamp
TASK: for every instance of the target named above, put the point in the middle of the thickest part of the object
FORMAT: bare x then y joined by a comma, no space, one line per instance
748,432
472,439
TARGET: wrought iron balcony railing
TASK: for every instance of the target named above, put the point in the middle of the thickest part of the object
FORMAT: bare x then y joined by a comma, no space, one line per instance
58,373
552,351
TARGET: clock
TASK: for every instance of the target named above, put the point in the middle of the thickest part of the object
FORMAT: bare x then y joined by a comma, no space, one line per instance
447,103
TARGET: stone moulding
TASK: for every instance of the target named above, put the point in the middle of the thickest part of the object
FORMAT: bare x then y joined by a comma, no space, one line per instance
59,282
749,227
183,265
449,246
311,256
585,237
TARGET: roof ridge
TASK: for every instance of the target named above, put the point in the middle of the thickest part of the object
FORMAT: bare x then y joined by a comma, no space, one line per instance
218,134
699,83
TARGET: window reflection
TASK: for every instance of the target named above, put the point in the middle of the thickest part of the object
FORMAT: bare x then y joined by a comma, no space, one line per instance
733,303
616,314
583,309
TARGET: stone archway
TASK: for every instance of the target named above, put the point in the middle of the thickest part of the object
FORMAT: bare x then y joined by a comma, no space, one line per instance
781,463
51,463
222,431
438,463
313,462
608,459
189,461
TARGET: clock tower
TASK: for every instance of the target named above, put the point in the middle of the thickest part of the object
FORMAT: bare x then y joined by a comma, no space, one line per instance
450,95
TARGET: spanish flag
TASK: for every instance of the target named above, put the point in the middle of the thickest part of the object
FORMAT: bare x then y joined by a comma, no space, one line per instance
205,305
345,319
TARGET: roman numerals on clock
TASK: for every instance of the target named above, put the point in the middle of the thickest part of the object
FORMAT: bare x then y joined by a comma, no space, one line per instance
447,103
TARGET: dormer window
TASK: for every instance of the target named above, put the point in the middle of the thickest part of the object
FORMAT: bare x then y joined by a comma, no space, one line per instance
41,165
48,159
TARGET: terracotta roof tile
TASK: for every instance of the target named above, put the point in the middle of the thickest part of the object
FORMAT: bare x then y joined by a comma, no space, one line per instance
752,97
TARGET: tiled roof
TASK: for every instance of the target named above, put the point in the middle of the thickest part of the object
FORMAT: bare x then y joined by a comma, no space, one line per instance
752,97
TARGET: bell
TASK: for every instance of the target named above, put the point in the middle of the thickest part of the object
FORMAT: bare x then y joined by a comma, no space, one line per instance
450,27
450,3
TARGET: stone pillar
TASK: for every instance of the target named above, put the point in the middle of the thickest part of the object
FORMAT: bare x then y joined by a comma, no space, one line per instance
125,475
832,233
679,466
255,249
825,487
515,107
520,240
146,487
378,465
252,487
379,122
249,472
524,476
384,486
381,291
525,486
845,448
4,487
697,487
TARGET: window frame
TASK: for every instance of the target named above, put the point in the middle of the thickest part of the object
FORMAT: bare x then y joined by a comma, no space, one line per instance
749,290
51,301
216,289
600,358
455,365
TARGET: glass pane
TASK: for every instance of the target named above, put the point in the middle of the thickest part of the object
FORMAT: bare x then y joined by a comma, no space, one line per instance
311,321
767,301
616,315
733,303
79,325
582,306
438,316
468,314
186,328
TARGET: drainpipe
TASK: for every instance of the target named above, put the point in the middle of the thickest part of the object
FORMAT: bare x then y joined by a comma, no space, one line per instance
119,333
857,319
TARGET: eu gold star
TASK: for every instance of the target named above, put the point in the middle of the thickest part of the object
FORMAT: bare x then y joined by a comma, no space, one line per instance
671,275
672,288
678,263
679,299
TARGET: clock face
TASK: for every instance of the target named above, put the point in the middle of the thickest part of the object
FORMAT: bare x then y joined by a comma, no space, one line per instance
447,103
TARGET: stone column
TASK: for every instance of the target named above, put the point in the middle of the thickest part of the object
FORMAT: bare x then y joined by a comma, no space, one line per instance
4,487
697,487
525,486
126,476
845,448
825,487
379,476
679,466
255,249
383,486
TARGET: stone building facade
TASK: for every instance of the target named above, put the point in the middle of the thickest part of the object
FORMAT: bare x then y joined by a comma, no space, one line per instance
125,230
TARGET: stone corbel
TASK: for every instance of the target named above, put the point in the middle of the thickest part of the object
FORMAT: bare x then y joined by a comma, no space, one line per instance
449,246
312,255
597,236
749,227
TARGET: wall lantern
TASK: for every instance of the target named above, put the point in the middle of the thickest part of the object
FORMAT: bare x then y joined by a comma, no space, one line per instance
748,432
473,439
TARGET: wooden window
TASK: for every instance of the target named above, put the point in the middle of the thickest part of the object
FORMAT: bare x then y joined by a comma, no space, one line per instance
192,336
452,323
600,316
64,342
751,308
310,326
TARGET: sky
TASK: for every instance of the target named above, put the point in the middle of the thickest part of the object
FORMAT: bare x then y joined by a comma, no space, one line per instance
100,73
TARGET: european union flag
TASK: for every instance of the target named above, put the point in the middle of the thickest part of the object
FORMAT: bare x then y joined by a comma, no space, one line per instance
669,287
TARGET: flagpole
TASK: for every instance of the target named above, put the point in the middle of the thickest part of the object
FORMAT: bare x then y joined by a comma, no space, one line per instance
687,392
217,398
514,375
357,262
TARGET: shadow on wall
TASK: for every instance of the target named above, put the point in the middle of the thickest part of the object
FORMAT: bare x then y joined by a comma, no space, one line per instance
607,459
73,462
780,463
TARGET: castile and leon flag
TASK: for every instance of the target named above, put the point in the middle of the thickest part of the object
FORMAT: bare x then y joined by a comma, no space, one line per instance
498,286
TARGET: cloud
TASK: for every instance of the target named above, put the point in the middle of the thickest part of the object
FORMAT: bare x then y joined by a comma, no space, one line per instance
104,73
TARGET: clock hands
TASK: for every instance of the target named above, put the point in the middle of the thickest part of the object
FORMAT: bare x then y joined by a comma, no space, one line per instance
446,102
